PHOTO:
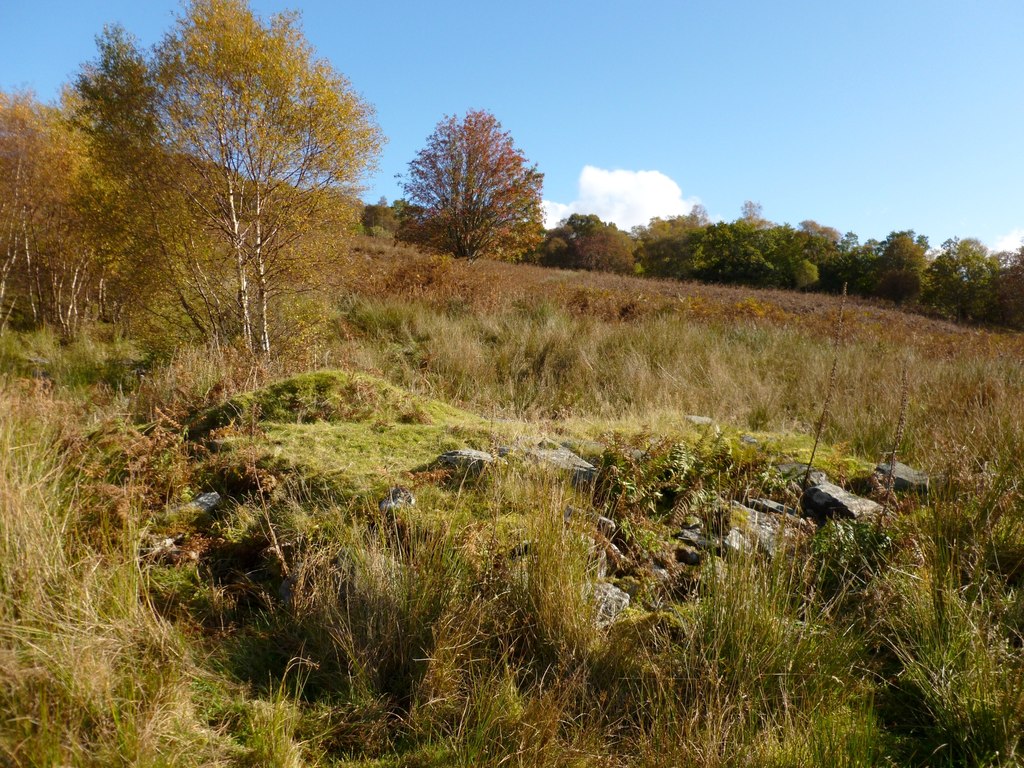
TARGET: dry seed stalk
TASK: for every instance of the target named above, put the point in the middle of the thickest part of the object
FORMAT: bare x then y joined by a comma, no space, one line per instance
901,425
826,408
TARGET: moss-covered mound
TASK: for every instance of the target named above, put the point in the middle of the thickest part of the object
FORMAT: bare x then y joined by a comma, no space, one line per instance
326,396
345,433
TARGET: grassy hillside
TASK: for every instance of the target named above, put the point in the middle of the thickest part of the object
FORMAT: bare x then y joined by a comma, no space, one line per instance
299,622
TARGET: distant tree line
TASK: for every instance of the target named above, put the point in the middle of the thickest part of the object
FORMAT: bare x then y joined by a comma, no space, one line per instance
961,280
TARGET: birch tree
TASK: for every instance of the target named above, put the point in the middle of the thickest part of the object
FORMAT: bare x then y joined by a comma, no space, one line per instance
275,141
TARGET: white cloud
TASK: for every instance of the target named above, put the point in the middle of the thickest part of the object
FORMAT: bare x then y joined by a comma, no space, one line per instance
627,198
1010,242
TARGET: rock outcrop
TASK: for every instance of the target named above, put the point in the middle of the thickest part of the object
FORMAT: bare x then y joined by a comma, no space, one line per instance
826,501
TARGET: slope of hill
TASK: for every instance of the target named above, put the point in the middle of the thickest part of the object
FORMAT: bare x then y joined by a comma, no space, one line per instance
207,560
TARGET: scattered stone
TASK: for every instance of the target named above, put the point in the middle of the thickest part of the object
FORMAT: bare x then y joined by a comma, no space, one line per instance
693,538
559,457
606,526
755,531
748,440
39,369
825,501
904,478
584,478
286,591
207,502
611,601
467,459
772,507
688,556
396,498
584,474
700,421
759,527
204,503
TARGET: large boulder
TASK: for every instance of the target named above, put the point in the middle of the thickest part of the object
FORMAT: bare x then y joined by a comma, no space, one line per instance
466,459
904,478
561,458
826,501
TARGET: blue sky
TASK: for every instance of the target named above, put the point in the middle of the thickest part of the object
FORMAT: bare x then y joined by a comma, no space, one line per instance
867,116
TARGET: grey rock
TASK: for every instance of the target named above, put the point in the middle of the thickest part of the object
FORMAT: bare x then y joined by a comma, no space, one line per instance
167,550
825,501
396,498
700,421
693,538
606,526
611,601
736,542
558,458
466,459
204,503
207,502
753,531
904,478
661,574
688,556
748,440
286,590
584,478
772,507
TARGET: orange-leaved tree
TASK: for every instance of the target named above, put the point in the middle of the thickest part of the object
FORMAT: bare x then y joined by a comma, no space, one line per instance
472,193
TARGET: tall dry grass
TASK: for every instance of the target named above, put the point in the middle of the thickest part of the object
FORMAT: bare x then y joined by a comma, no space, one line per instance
90,674
539,361
422,641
